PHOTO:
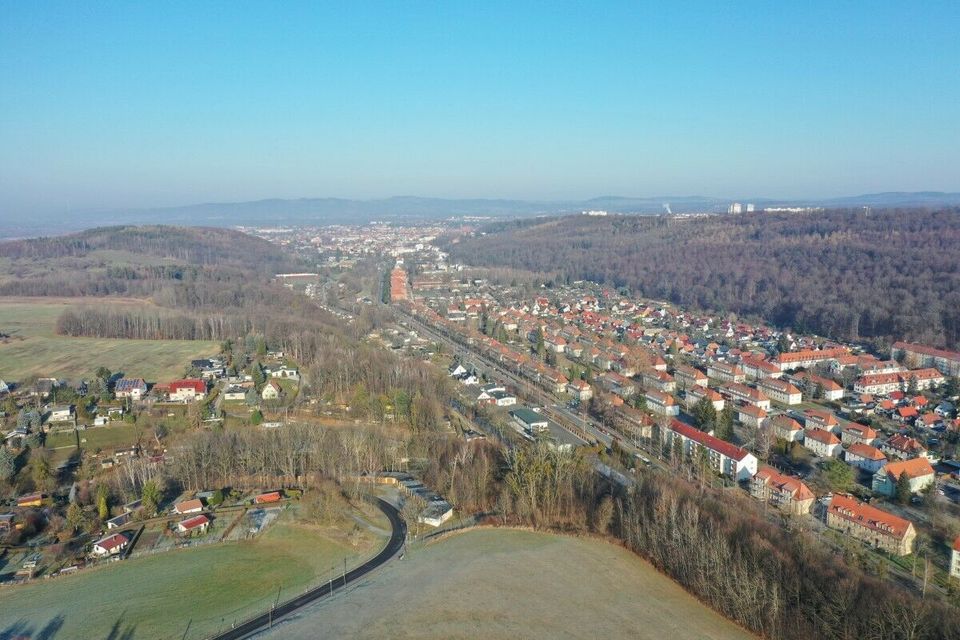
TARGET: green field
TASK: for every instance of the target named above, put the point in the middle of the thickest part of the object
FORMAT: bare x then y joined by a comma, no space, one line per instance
187,593
497,583
34,348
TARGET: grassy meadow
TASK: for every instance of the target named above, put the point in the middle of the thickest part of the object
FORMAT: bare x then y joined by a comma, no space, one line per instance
498,583
33,348
183,594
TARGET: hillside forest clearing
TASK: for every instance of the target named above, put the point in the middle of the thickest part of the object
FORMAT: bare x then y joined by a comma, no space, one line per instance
490,583
188,593
34,349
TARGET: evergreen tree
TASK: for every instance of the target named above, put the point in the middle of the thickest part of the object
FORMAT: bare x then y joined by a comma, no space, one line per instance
724,428
150,497
8,464
705,414
903,492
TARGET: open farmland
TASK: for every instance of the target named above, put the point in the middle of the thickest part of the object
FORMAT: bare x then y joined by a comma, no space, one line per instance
186,593
508,584
33,347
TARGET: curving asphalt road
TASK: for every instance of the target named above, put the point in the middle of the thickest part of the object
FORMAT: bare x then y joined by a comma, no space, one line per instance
392,548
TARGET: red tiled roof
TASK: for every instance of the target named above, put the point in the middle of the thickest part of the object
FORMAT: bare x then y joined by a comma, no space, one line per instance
710,442
111,542
194,522
794,486
820,435
849,508
190,383
927,351
914,468
866,451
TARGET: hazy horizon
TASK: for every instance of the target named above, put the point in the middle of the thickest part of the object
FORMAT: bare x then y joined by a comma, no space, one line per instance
138,107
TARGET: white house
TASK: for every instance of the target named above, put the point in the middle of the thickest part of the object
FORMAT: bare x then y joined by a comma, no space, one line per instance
781,391
786,428
725,458
696,393
751,415
110,545
271,390
865,456
918,470
822,443
661,404
196,524
61,414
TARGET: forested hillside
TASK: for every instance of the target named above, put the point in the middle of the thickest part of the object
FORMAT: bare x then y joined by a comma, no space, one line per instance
846,274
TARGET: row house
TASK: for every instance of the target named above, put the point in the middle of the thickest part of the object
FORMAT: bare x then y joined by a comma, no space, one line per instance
743,393
903,447
786,428
918,471
871,367
634,421
759,369
821,443
784,492
947,362
580,390
865,457
818,419
855,432
807,358
661,403
659,380
725,372
688,377
750,415
697,393
618,384
781,391
871,525
828,389
886,383
725,458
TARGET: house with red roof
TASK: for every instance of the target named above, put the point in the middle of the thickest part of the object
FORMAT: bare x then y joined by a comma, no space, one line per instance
188,390
783,491
822,443
864,456
855,432
725,458
903,447
697,393
786,428
871,525
918,470
195,525
188,506
110,545
817,419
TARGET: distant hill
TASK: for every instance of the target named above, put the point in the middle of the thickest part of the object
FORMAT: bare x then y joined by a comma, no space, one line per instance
176,244
316,211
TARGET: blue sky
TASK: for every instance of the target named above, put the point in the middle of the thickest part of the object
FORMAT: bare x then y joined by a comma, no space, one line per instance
127,105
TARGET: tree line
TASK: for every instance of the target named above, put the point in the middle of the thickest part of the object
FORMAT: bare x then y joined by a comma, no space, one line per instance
882,275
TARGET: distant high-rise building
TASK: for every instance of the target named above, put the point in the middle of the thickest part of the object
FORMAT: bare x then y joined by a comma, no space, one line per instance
750,208
736,207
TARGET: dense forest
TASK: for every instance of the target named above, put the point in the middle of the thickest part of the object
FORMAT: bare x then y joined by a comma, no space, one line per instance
882,275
